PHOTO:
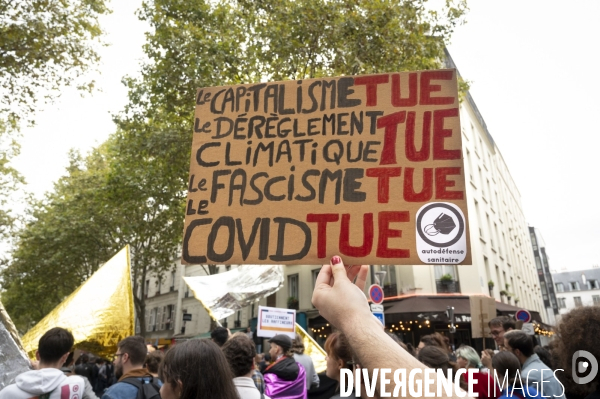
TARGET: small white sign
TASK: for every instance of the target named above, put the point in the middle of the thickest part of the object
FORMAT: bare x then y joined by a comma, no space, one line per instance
376,308
441,234
528,329
274,321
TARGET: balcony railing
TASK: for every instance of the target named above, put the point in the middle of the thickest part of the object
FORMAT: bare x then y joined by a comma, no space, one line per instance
447,287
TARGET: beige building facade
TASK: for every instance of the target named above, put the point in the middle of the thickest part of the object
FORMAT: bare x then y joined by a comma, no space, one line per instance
169,299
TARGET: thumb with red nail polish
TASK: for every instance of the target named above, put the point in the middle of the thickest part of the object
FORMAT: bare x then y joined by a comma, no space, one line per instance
338,299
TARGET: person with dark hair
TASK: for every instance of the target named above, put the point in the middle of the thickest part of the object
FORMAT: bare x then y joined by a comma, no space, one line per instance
129,369
48,380
102,380
544,356
434,339
85,368
110,373
500,325
435,357
533,370
312,378
219,335
339,356
196,369
578,330
239,351
506,364
89,392
153,360
284,378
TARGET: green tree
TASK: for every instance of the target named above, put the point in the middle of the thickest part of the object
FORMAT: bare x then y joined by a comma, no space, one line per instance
10,181
148,213
198,43
107,200
137,195
44,46
67,236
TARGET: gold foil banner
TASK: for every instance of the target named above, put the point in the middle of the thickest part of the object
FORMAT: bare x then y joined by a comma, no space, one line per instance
99,313
312,349
224,294
13,360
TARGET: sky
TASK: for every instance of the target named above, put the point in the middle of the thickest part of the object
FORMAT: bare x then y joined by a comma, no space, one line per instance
531,66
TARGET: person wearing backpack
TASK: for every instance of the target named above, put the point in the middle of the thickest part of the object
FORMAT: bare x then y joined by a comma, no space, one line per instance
134,381
48,381
85,368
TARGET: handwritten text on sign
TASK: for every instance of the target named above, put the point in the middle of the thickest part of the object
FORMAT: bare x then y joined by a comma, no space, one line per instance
294,172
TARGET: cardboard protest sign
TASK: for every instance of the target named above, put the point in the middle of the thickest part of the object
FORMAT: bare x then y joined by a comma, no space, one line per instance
367,167
483,310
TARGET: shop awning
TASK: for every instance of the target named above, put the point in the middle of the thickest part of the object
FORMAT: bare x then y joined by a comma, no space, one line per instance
428,304
433,307
510,310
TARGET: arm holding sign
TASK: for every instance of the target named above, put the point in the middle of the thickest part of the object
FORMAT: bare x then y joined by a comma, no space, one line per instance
345,306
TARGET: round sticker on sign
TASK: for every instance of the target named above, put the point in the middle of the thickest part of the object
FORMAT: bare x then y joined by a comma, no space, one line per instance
376,293
523,315
441,236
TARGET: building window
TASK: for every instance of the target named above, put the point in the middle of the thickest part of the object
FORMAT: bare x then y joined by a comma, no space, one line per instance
577,300
562,303
538,263
593,285
533,241
153,319
172,288
227,268
147,288
169,324
293,286
315,274
560,287
148,320
163,318
574,286
596,299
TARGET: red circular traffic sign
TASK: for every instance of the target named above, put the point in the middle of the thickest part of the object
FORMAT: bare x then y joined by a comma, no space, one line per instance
523,315
376,293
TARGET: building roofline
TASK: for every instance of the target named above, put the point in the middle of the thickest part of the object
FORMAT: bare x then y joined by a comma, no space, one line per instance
450,63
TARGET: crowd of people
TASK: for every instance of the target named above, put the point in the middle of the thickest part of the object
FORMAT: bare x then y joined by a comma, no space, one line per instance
228,366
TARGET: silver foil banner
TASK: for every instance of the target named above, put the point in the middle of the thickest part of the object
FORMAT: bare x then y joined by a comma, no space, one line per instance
13,360
224,294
